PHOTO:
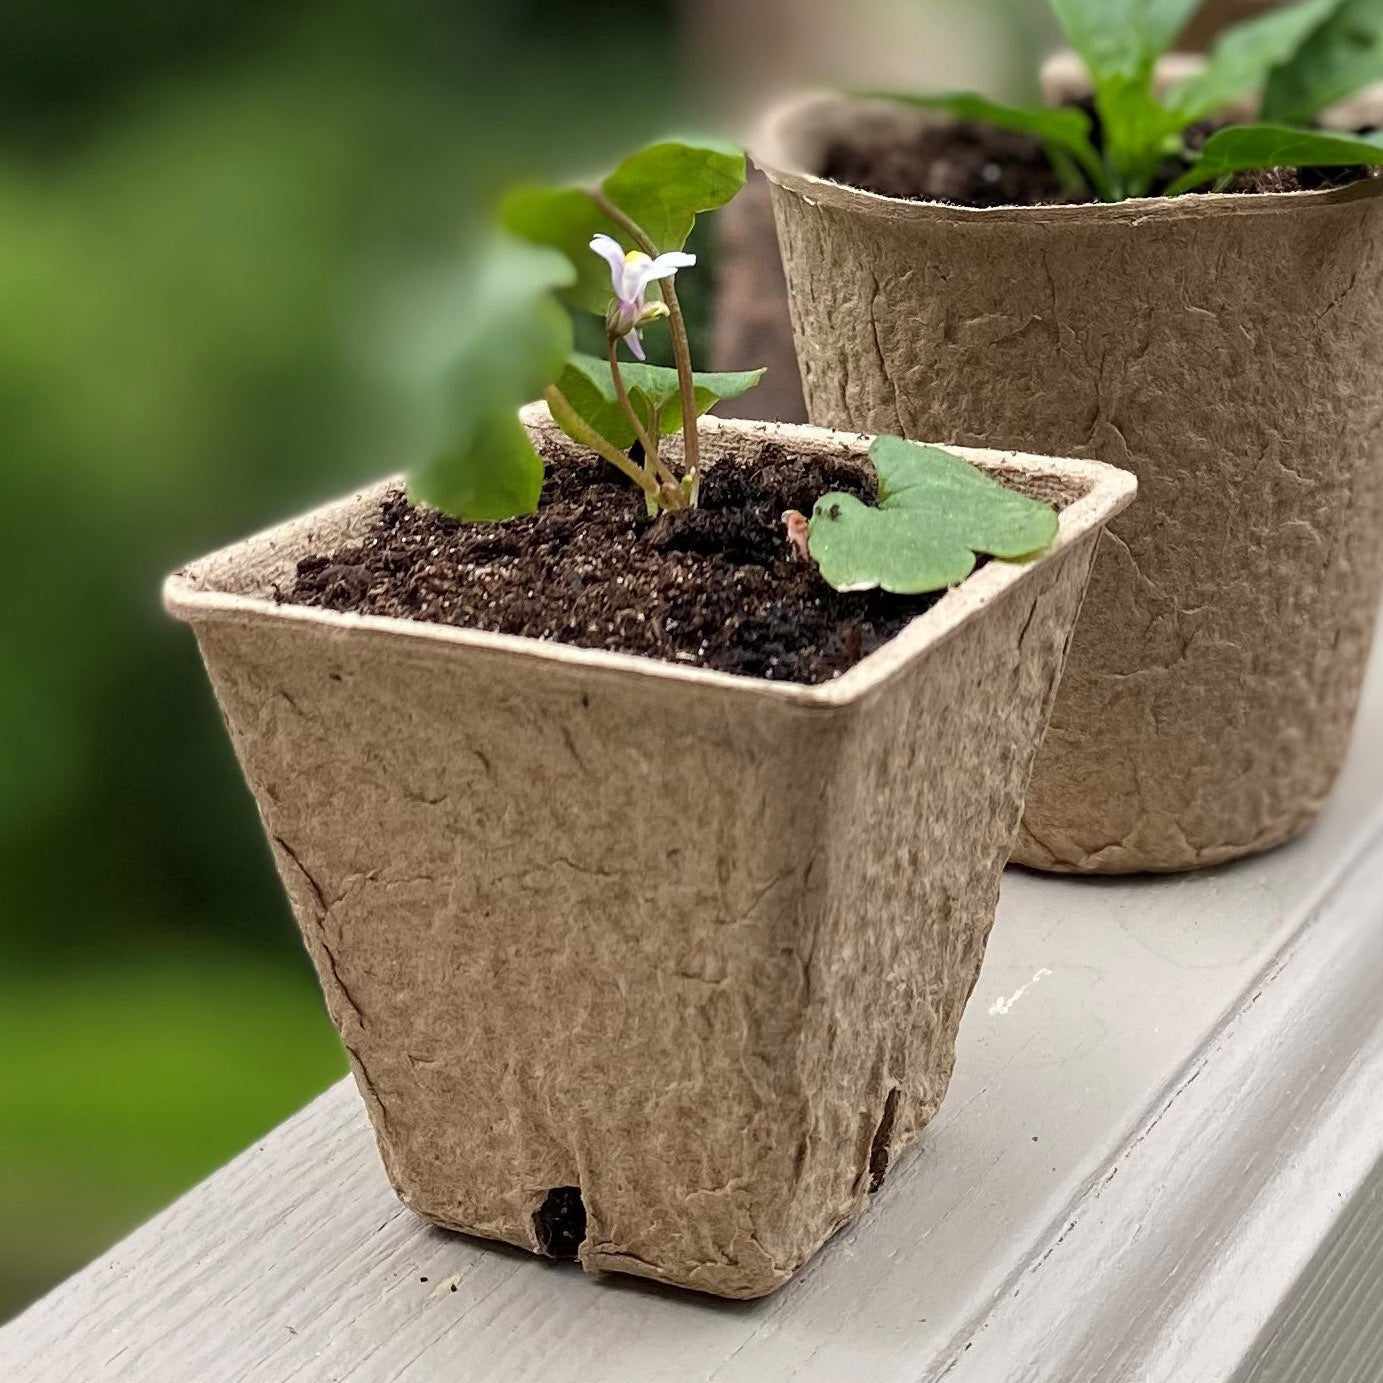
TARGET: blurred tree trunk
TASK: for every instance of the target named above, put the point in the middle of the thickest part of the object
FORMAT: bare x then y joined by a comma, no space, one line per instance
751,326
749,55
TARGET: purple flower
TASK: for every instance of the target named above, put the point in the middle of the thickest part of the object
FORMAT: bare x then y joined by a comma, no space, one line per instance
630,274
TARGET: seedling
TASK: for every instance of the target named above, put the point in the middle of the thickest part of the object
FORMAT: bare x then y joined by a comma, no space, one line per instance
1299,60
614,248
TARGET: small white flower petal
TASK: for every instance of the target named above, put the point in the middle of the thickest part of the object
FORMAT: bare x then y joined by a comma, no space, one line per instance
674,260
610,250
634,282
664,267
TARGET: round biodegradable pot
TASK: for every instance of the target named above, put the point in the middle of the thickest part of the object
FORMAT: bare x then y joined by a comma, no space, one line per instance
651,966
1226,349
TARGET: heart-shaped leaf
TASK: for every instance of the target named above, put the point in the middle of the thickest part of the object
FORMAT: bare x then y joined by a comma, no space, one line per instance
589,387
935,513
662,189
666,186
500,345
1243,148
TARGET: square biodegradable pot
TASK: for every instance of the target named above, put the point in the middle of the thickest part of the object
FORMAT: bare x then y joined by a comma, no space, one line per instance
635,962
1228,350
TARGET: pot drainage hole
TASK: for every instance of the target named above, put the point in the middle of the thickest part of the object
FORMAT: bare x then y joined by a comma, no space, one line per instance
560,1222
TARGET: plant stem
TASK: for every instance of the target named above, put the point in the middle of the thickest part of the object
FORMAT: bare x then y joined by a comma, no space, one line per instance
1066,168
681,352
681,346
1095,170
649,443
631,228
664,470
572,423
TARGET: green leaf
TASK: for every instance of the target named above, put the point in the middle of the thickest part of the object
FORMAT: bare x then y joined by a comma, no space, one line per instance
1242,59
668,185
564,219
589,387
503,341
1242,148
662,189
1064,125
1342,56
1059,127
935,513
1120,41
1122,38
1140,133
494,474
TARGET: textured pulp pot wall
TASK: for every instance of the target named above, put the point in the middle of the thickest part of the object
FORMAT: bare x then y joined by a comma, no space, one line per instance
684,941
1229,352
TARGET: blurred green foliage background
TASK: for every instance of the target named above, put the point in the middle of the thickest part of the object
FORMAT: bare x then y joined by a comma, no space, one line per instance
208,217
213,220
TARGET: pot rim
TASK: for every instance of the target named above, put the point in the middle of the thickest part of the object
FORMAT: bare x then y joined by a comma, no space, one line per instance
772,149
190,595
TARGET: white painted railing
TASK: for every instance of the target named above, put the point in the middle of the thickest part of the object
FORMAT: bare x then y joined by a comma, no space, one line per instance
1161,1159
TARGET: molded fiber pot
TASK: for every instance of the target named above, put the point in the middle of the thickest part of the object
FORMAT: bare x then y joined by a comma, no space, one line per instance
661,962
1228,350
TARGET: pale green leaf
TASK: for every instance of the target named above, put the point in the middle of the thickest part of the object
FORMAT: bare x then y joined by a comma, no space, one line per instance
503,341
935,512
1241,60
1243,148
711,388
1120,41
588,385
1140,133
863,549
1341,57
1122,38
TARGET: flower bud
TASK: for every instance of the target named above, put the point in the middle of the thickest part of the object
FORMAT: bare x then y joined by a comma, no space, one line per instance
618,323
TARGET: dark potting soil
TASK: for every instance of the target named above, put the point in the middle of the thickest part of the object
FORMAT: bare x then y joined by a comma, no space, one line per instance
714,587
977,165
964,164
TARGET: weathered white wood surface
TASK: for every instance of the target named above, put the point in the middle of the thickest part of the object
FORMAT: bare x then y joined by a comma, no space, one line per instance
1161,1159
